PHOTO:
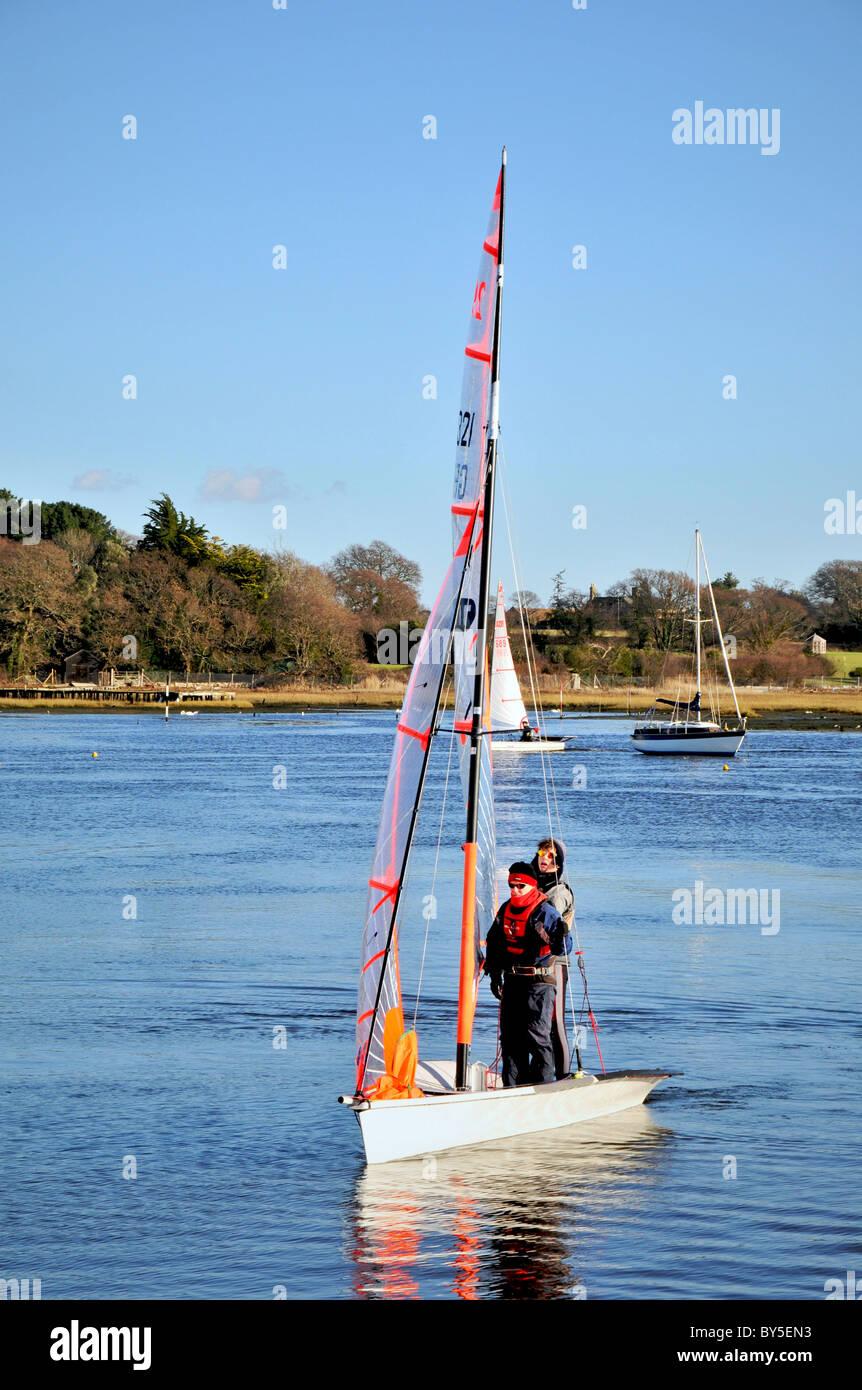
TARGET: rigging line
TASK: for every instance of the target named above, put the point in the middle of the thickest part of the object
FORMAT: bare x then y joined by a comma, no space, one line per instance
516,570
677,614
527,638
547,769
433,902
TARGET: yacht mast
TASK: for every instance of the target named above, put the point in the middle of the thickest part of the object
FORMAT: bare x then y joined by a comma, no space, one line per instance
697,612
721,637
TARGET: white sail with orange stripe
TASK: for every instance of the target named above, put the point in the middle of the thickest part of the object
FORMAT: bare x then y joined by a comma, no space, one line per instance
379,984
507,703
471,457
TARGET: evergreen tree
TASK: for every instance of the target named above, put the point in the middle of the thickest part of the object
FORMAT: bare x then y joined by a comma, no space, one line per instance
171,530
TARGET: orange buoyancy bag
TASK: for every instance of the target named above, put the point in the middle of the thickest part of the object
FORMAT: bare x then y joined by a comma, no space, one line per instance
397,1082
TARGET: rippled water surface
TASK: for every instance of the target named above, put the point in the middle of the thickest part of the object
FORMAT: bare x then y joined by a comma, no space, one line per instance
166,907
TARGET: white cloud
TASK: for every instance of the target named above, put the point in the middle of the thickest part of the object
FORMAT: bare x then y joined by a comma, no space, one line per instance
258,485
102,480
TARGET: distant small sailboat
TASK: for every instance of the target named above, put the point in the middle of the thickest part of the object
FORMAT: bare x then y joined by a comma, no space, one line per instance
508,712
684,731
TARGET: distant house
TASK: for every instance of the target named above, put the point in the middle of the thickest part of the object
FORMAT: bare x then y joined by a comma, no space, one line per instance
82,667
609,609
817,644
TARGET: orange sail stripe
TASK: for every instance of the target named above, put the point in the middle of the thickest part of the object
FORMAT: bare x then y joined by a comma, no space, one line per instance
388,890
479,356
414,733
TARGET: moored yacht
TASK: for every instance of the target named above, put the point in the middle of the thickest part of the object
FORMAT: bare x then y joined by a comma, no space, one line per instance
683,730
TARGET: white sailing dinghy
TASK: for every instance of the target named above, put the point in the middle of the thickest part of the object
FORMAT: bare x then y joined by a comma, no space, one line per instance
685,730
508,712
405,1109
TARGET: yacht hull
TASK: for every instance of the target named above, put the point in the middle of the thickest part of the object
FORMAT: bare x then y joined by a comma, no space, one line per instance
720,744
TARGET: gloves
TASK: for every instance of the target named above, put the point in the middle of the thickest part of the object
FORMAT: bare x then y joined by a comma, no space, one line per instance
496,987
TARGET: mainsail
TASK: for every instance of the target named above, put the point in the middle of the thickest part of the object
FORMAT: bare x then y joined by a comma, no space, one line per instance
379,984
507,704
471,460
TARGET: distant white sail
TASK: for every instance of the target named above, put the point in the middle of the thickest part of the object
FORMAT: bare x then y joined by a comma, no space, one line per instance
507,705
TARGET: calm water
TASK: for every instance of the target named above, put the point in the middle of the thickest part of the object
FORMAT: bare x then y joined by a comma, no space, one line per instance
147,1039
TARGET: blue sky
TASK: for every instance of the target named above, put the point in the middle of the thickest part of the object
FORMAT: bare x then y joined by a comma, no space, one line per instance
303,127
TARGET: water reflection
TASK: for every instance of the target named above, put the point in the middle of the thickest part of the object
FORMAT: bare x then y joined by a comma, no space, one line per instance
502,1220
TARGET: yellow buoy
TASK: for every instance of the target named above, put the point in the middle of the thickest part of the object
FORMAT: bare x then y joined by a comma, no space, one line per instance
726,768
95,755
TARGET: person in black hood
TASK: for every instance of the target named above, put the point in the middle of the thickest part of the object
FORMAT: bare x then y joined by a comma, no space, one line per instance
548,864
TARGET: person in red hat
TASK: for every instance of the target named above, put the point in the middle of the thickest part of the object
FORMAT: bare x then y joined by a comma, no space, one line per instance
524,941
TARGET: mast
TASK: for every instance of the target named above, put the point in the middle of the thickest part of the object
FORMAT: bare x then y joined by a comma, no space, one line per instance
697,601
721,637
468,911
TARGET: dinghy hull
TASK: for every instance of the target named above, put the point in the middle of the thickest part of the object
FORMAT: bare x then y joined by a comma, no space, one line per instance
395,1129
536,745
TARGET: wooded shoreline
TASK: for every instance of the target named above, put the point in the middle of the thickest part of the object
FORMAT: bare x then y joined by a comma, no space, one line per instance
800,709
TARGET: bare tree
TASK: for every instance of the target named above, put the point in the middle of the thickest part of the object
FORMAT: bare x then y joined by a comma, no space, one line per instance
770,617
661,601
836,589
41,609
369,577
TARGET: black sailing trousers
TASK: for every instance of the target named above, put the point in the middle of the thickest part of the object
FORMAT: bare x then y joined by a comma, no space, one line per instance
526,1015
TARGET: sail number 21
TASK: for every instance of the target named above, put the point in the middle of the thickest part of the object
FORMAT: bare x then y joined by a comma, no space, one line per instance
465,428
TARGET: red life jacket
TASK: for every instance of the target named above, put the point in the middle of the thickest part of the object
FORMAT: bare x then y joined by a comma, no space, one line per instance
515,927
